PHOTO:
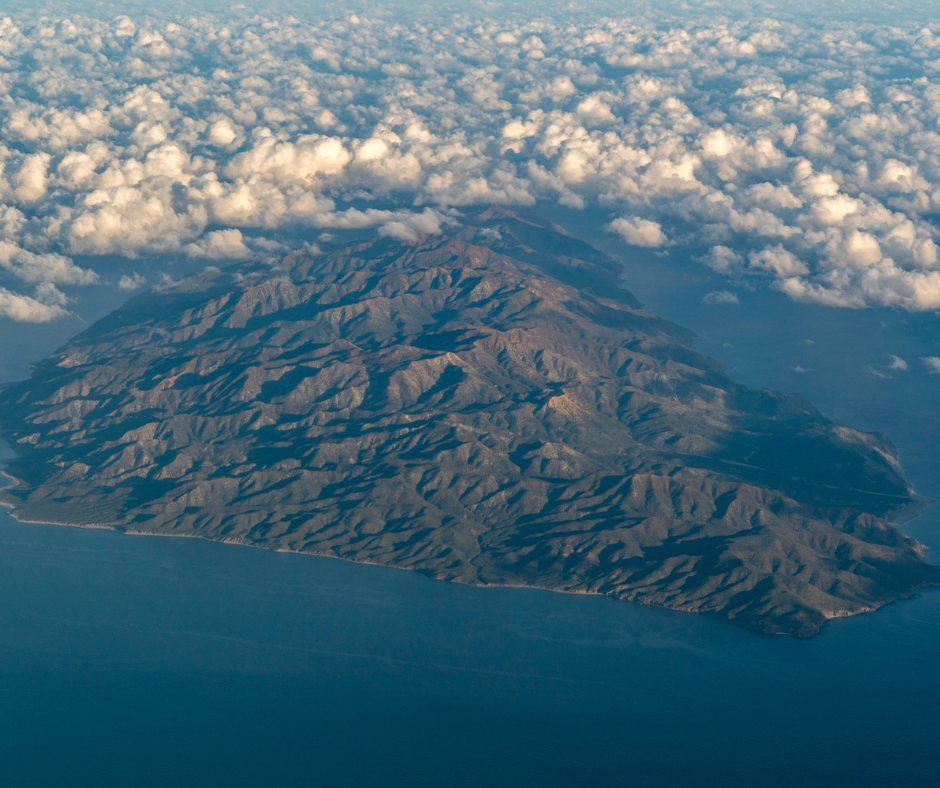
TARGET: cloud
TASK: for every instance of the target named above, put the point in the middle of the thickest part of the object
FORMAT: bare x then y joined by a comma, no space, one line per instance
639,232
49,294
30,182
778,261
133,282
404,225
410,227
801,155
932,363
286,163
28,310
720,297
722,259
854,249
898,364
220,245
54,268
222,133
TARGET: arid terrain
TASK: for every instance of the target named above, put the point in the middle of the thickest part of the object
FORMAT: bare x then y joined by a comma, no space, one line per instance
487,406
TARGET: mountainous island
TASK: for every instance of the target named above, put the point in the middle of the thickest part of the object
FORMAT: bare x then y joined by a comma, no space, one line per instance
487,406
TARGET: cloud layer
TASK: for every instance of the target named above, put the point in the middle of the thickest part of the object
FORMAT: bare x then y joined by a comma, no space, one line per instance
804,156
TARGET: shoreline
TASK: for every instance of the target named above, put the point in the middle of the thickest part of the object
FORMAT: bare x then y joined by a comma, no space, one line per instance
911,511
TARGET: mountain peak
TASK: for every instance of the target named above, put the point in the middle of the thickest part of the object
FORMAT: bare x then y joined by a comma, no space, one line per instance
488,406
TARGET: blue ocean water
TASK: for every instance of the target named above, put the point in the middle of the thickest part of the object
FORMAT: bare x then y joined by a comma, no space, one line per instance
142,661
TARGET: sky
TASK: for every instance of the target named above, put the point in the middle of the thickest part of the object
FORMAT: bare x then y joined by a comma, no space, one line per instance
780,146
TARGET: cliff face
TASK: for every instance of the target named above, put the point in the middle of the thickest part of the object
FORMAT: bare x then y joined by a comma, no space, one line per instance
485,407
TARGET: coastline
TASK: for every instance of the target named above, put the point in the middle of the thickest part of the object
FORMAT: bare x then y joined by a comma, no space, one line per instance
910,512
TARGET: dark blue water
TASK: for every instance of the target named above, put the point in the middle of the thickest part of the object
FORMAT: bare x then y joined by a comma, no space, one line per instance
135,661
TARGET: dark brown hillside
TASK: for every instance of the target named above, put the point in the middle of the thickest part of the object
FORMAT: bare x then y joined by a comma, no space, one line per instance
486,407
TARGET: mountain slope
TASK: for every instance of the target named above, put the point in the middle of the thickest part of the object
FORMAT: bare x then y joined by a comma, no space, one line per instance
485,407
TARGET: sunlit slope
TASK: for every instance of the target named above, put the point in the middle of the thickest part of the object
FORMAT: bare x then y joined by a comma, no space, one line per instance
485,407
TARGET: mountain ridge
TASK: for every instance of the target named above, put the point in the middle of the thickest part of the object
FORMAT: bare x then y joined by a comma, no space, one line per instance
481,406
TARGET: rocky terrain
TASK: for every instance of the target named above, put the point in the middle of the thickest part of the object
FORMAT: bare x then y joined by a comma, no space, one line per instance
489,406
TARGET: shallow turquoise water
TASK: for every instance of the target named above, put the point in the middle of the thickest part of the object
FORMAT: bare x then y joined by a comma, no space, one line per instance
135,661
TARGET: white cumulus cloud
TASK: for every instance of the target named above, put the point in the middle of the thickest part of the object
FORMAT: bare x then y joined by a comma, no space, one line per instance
26,309
220,245
802,155
639,232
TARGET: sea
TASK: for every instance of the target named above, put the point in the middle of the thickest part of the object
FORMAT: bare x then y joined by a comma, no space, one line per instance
155,662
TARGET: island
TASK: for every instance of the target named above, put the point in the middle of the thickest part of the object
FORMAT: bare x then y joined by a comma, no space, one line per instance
489,406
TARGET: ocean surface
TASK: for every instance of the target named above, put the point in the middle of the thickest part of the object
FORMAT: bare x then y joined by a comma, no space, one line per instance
145,661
